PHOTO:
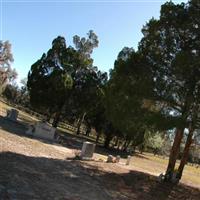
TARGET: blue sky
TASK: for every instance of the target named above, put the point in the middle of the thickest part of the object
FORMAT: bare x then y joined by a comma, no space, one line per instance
31,25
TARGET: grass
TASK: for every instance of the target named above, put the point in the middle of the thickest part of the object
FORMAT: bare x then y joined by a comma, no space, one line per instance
23,116
156,165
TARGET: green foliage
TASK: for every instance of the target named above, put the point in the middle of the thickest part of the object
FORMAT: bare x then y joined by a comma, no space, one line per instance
88,89
158,87
128,86
154,141
171,46
85,46
63,81
11,93
49,80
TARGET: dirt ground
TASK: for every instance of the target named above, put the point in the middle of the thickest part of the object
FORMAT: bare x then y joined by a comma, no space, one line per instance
35,169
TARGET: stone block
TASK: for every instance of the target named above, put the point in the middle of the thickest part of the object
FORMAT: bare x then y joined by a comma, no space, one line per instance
87,150
110,159
42,130
12,114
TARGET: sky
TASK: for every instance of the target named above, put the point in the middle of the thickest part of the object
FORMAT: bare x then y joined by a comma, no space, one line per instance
31,25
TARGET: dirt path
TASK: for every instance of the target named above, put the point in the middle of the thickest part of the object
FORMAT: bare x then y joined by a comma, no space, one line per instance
34,169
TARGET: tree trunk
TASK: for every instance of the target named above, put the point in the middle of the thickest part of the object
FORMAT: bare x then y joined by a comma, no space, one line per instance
107,141
185,153
118,145
78,127
116,141
88,130
80,121
174,154
48,115
126,145
97,138
48,118
57,116
56,120
133,148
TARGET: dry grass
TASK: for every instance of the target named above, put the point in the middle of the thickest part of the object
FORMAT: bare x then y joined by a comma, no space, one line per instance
23,116
35,169
147,163
156,165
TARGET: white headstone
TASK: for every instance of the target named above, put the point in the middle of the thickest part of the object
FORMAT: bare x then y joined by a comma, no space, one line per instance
42,130
117,159
128,160
161,177
87,150
110,159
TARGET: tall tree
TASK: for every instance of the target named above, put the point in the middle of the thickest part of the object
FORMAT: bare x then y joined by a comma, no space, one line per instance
171,45
88,91
64,78
6,58
49,80
128,85
11,93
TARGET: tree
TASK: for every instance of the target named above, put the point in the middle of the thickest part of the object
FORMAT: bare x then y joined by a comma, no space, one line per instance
64,78
154,141
96,118
127,88
171,46
87,92
49,80
11,93
6,58
85,46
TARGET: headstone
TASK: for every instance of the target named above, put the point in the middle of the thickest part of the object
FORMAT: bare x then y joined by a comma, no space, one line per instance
111,159
161,178
42,130
117,159
87,150
128,160
12,114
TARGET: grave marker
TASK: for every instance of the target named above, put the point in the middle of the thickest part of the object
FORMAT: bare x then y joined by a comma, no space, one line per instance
128,160
42,130
12,114
87,150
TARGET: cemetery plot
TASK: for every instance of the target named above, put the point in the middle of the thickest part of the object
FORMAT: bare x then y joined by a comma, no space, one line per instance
42,130
87,150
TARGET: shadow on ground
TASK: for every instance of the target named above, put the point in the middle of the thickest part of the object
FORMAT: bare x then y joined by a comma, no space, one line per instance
70,141
18,128
23,177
